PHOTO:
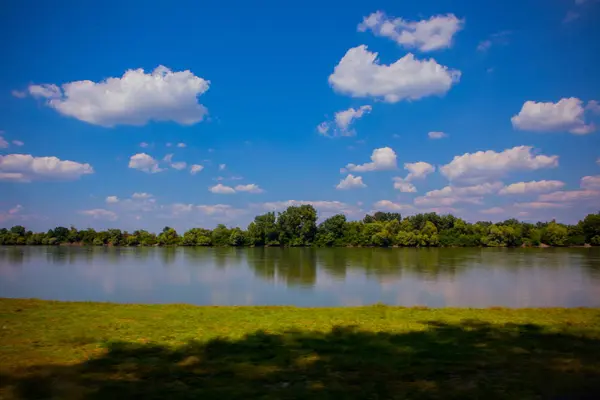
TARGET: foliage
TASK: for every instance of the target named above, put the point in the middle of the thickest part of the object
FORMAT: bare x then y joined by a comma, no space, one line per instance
297,226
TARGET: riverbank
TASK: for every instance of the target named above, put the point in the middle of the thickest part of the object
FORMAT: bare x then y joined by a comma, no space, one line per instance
102,350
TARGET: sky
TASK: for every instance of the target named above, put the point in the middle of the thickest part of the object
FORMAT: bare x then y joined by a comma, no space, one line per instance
140,115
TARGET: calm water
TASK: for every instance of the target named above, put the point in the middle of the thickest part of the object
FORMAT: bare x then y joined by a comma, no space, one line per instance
305,277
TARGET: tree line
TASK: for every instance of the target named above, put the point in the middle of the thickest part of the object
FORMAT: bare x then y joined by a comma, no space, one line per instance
297,226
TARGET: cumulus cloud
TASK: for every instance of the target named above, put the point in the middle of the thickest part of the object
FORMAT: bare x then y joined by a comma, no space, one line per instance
27,168
18,143
531,187
19,94
141,195
571,196
323,128
450,195
145,163
359,74
222,167
168,158
434,33
250,188
487,165
388,205
3,143
100,213
590,182
493,210
496,38
195,168
351,182
112,199
343,120
144,145
12,213
437,135
593,106
181,145
381,159
324,207
179,165
133,99
540,205
221,189
418,170
568,115
403,186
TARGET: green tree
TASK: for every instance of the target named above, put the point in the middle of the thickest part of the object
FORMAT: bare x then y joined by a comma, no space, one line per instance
297,225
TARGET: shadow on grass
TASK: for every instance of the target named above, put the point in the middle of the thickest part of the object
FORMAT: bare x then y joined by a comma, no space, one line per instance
463,361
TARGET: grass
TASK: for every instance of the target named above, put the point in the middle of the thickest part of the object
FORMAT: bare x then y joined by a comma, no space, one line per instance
61,350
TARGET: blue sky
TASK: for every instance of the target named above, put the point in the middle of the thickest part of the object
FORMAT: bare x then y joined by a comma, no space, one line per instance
282,104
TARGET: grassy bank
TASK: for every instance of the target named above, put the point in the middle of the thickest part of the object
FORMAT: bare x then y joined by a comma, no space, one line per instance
99,350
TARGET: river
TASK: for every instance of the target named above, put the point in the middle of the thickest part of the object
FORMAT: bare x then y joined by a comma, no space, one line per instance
305,277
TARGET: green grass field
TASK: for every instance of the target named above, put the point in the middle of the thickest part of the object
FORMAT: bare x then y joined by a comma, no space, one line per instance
60,350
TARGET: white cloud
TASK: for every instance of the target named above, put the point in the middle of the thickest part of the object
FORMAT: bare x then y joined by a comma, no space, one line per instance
18,143
3,143
144,144
169,144
418,170
324,207
133,99
466,191
323,128
179,165
540,205
19,94
488,165
141,195
16,209
484,45
493,210
112,199
351,182
593,106
221,189
435,33
590,182
381,159
437,135
195,168
222,167
531,187
343,119
570,196
451,195
44,90
181,145
168,158
359,74
13,213
391,206
100,213
496,38
26,168
404,186
145,163
250,188
566,115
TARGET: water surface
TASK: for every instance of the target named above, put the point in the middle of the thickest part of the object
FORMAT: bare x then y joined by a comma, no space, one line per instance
305,277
